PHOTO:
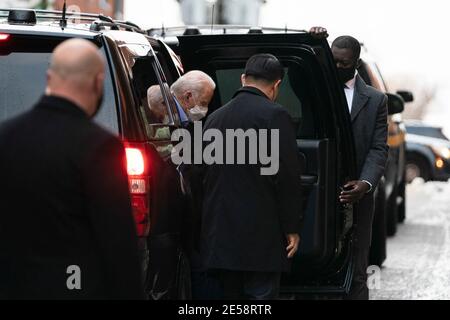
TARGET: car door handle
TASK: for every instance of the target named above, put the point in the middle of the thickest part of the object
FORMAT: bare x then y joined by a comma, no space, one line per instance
308,179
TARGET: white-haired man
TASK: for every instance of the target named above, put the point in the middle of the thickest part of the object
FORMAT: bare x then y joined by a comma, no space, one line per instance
193,92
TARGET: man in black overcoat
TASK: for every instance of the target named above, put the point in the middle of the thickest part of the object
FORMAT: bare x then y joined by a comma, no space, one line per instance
66,226
251,217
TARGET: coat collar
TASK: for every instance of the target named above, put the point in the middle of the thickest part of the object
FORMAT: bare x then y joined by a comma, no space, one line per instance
62,105
361,97
251,90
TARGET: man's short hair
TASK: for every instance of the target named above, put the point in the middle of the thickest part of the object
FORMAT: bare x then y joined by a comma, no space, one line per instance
348,42
265,67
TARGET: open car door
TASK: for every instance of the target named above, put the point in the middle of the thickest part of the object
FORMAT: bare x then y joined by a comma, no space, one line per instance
312,94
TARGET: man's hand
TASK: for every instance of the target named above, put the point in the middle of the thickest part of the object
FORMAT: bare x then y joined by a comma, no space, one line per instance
293,243
354,191
319,32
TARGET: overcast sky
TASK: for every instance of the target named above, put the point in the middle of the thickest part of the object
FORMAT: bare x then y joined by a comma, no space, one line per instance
405,36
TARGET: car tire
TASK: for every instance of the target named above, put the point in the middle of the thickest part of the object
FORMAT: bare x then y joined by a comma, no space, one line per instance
417,166
378,251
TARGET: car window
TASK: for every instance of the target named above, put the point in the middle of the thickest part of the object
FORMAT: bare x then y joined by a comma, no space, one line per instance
291,96
23,67
152,97
152,105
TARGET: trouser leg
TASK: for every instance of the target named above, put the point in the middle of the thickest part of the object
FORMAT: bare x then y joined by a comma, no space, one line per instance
262,285
232,284
359,289
206,286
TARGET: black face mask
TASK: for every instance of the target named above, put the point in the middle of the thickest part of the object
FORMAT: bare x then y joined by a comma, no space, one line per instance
99,105
346,74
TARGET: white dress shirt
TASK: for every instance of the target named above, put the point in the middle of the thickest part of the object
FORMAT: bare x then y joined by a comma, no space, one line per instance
350,92
349,89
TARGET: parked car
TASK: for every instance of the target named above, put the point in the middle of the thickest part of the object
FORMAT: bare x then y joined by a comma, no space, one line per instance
135,62
420,128
427,153
390,202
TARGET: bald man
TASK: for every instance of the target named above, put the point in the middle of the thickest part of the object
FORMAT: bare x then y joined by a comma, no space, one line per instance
66,226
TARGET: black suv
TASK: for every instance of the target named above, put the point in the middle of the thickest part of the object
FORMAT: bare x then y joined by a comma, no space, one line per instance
135,62
312,94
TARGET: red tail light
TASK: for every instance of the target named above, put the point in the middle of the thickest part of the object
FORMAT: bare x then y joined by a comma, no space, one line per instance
135,162
139,181
4,37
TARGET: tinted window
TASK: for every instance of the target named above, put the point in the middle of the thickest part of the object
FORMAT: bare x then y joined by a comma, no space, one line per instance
23,65
291,96
372,76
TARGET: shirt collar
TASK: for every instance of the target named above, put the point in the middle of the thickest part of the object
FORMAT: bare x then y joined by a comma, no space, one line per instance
183,117
252,90
350,84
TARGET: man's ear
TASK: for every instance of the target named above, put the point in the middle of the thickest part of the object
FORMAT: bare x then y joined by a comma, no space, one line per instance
278,84
276,89
358,63
188,95
243,81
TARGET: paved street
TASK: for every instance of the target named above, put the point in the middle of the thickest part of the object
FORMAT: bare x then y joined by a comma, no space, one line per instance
418,264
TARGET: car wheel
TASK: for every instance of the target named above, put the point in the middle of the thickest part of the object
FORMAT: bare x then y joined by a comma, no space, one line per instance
416,167
392,213
378,246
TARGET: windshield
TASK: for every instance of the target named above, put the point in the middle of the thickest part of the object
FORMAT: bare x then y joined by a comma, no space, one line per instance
24,61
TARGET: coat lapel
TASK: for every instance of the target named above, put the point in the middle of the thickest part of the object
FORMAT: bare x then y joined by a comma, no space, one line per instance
361,97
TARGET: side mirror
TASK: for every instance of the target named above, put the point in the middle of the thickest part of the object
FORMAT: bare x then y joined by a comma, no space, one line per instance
407,96
396,104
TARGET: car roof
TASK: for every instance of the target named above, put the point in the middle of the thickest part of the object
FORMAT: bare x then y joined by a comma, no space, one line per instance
420,124
77,24
220,29
170,34
424,140
53,29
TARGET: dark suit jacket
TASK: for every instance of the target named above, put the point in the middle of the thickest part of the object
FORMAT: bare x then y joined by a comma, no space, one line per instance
64,202
246,215
370,129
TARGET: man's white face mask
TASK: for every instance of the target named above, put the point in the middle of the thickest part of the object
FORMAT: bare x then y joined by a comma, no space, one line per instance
197,113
